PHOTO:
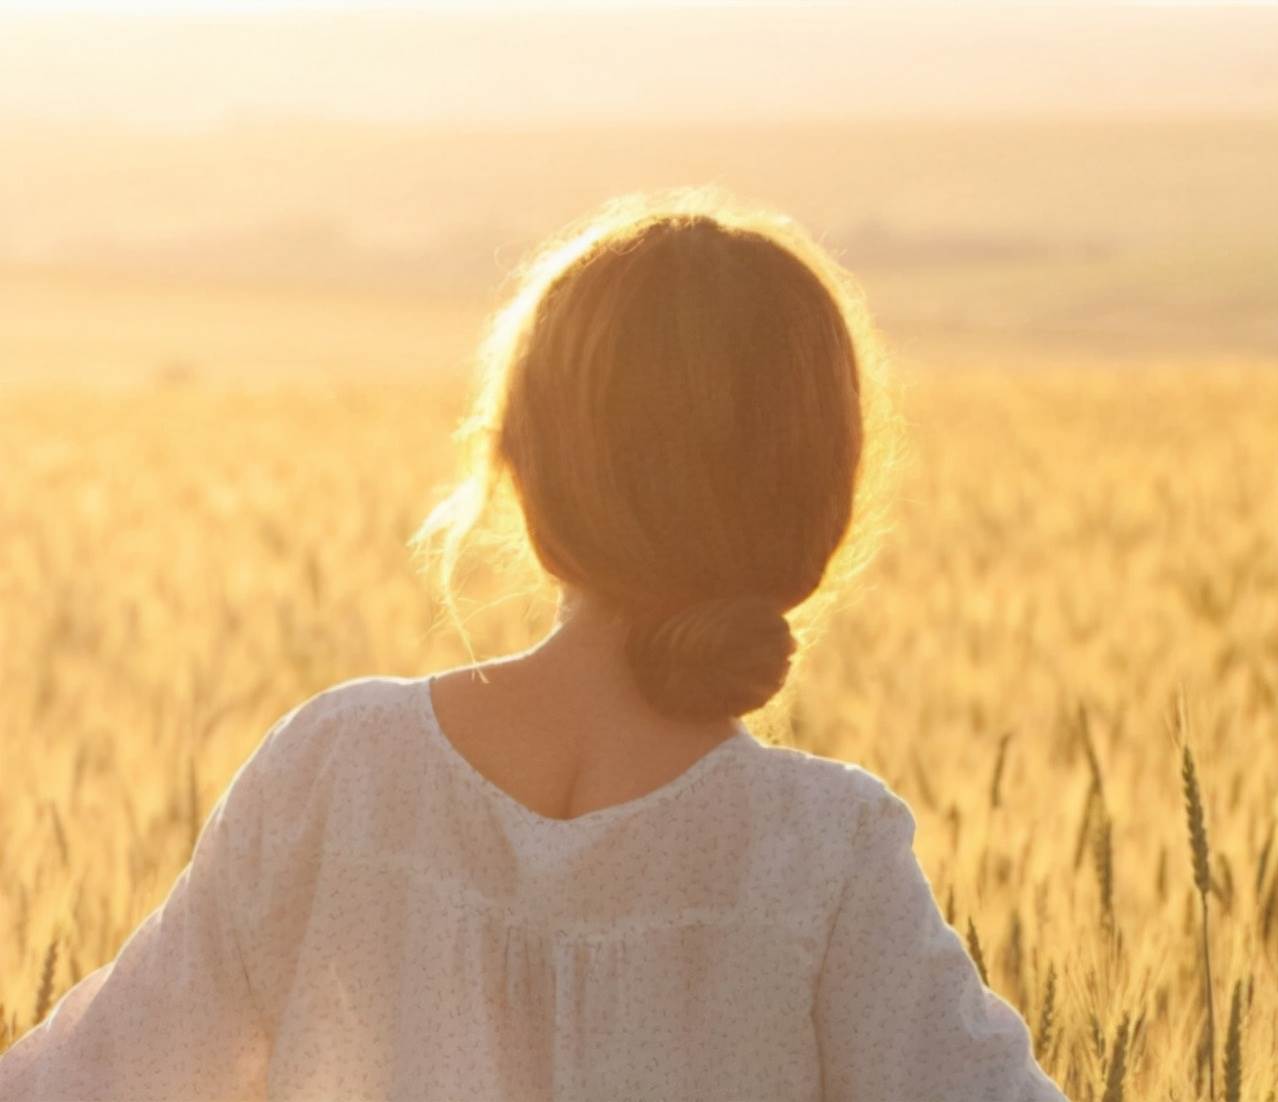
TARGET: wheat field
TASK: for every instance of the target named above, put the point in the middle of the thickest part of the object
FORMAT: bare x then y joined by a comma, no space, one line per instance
1080,583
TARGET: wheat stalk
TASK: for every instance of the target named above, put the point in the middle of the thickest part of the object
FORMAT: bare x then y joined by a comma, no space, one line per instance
999,763
45,991
1117,1064
974,947
192,802
1202,876
1104,853
1233,1047
1045,1023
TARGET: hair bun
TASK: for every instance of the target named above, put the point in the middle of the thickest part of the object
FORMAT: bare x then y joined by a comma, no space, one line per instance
720,657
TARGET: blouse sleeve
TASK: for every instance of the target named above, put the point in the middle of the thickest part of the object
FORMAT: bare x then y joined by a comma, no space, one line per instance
901,1012
174,1015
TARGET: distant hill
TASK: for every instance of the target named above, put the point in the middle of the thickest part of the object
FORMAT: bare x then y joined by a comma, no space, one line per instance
1157,230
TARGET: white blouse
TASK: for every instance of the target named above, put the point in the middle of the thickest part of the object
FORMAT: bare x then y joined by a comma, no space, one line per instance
366,916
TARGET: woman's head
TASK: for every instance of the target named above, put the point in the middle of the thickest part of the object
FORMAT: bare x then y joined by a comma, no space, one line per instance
674,397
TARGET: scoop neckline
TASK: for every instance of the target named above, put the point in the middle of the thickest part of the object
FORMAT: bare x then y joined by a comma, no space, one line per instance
698,770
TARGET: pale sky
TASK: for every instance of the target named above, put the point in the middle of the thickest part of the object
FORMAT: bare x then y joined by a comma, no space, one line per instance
253,7
258,6
202,61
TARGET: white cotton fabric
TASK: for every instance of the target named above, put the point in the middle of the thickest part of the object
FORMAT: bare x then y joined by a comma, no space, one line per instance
366,916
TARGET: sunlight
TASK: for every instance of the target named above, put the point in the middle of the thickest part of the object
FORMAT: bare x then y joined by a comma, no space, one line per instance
251,7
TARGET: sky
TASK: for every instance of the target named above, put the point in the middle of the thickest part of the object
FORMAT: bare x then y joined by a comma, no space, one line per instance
194,62
252,7
255,6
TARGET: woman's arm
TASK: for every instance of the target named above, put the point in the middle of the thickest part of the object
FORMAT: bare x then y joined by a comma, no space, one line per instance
174,1016
901,1012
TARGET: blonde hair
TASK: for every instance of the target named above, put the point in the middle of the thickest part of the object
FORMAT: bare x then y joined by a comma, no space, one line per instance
677,409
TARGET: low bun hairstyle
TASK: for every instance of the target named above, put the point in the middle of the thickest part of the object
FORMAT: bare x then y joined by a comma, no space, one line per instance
673,415
725,656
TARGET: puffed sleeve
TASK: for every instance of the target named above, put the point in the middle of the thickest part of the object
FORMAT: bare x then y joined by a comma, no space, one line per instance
901,1012
174,1015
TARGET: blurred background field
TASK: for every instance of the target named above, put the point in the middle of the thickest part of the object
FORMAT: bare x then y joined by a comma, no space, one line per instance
327,248
232,350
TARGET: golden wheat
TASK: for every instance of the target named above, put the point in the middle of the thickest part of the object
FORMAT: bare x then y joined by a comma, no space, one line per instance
183,563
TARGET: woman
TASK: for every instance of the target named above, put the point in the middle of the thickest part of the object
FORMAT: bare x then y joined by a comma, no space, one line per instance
572,873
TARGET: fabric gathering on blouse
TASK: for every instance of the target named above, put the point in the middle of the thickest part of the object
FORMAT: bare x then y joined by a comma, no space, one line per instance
367,916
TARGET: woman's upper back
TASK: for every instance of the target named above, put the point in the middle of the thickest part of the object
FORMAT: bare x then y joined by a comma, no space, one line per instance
739,827
563,753
757,926
366,915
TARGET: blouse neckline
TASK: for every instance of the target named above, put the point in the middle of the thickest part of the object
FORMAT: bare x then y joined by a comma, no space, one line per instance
697,771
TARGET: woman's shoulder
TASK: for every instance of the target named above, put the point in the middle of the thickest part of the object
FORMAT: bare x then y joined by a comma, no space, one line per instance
368,695
322,726
839,805
331,749
824,781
